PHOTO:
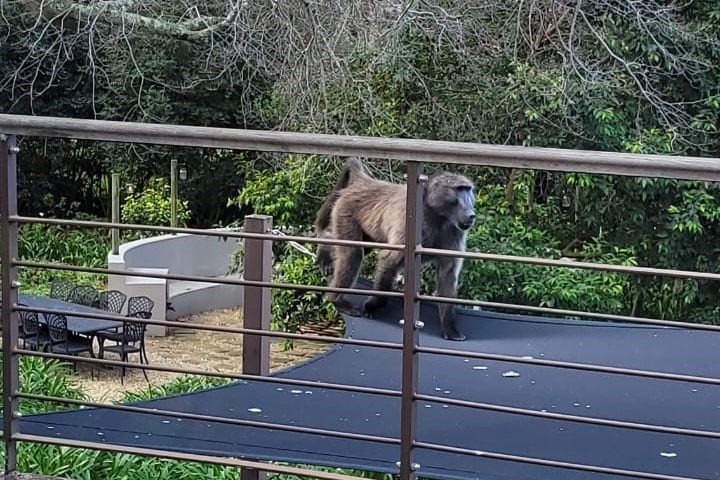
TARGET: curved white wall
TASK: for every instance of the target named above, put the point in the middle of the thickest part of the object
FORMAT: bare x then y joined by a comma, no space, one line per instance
183,254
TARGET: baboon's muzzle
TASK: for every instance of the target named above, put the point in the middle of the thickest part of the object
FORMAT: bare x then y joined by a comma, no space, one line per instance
467,222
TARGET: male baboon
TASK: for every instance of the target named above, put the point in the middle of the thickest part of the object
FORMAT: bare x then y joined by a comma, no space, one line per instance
361,207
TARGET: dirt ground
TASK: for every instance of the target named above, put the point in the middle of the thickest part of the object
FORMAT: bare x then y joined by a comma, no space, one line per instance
194,349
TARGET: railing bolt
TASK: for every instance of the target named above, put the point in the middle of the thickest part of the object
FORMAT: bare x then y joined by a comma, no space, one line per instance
421,178
14,149
15,284
413,466
418,323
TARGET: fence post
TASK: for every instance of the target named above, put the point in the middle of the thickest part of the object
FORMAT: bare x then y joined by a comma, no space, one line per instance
257,266
10,285
115,211
411,315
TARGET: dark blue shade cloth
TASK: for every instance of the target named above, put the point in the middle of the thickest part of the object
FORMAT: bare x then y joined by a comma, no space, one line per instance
669,403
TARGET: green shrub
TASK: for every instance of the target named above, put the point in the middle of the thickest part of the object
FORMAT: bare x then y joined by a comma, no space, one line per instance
60,244
582,289
290,191
291,309
499,231
182,384
152,206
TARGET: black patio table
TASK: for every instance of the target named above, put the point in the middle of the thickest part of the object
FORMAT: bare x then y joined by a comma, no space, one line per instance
75,324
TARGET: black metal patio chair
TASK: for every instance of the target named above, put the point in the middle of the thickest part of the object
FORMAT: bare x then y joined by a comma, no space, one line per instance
112,300
35,335
84,295
61,289
130,340
140,303
138,306
64,341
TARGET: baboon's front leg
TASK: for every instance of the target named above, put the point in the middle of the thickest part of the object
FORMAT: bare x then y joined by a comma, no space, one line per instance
388,264
324,259
448,272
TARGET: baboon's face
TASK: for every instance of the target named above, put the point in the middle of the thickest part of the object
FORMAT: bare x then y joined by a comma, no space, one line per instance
453,197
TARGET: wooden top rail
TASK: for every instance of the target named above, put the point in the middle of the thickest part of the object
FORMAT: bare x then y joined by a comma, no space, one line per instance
430,151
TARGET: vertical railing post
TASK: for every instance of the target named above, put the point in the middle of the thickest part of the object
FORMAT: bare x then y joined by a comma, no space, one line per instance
10,284
115,212
411,315
173,191
257,266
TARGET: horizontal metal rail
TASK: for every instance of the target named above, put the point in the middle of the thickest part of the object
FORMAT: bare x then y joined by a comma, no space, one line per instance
394,346
427,151
391,294
568,417
184,456
207,373
210,232
215,328
213,418
572,313
204,279
571,365
551,262
550,463
472,255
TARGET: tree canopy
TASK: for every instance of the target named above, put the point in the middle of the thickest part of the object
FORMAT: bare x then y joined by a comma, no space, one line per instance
614,75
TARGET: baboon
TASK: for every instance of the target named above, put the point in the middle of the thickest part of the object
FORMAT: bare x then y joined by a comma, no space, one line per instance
361,207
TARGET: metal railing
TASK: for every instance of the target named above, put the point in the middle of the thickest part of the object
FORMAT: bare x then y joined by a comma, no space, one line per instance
257,282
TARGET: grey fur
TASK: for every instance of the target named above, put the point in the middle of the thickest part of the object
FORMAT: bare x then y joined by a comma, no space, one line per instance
361,207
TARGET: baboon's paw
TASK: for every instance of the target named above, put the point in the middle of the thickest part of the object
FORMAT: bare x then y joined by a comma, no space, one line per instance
348,309
451,333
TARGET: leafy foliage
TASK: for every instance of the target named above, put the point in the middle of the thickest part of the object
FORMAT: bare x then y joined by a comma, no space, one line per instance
64,245
290,191
499,231
152,206
182,384
291,309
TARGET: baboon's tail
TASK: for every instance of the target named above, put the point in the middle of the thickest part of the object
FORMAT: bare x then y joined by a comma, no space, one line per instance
352,170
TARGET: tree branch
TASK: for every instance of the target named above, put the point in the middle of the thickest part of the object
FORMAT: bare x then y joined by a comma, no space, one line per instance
116,13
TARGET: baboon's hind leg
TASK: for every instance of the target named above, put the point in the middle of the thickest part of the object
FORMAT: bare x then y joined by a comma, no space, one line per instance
388,264
346,266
